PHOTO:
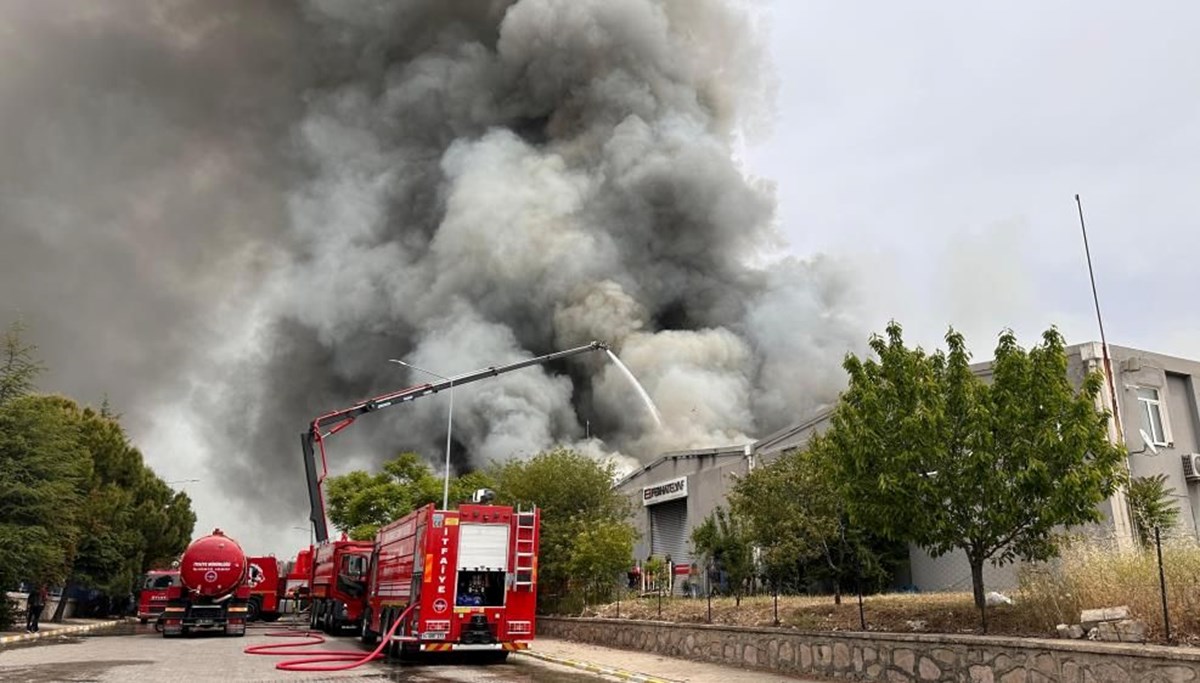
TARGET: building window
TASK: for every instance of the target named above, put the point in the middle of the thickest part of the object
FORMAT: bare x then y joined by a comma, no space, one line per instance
1152,417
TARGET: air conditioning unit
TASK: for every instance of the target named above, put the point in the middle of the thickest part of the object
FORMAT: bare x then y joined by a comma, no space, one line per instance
1191,467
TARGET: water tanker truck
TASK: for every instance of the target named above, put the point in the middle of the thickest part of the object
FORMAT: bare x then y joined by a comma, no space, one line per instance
214,592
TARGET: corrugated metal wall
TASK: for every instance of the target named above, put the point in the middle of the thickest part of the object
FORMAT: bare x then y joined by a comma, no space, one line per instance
668,531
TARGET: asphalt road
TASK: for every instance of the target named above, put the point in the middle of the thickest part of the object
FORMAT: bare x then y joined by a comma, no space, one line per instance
137,653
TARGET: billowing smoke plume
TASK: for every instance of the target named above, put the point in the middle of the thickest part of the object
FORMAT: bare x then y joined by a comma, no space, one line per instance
239,211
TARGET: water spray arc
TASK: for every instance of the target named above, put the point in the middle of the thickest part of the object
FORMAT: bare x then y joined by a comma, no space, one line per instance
638,386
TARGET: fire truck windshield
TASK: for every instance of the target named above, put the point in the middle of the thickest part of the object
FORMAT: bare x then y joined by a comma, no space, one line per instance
160,581
354,566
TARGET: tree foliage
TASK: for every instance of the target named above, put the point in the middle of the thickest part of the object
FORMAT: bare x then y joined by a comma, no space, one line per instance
586,537
794,513
359,503
599,553
46,467
77,502
19,367
131,519
926,451
726,546
1153,506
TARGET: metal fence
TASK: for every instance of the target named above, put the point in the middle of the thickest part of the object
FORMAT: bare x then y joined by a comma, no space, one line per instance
1159,582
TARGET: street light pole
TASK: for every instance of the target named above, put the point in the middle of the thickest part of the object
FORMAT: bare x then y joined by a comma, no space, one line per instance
449,426
311,533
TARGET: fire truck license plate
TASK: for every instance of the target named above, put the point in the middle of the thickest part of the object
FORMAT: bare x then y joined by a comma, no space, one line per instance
204,622
433,636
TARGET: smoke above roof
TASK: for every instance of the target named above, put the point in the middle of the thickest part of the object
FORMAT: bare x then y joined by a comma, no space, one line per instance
234,213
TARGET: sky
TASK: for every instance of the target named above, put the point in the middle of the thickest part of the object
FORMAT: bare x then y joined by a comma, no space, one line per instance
922,157
936,149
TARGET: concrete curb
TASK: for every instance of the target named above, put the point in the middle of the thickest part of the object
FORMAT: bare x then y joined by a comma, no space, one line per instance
51,632
631,676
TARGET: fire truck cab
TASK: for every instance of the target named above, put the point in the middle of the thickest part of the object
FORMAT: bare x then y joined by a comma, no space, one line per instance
153,592
339,584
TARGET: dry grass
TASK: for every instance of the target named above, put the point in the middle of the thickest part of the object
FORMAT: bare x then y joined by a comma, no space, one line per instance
1091,574
1088,575
940,612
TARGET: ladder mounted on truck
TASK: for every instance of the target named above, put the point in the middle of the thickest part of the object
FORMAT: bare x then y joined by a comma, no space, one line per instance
525,566
312,440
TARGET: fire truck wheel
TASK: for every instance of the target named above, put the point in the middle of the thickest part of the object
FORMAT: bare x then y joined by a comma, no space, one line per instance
408,653
253,609
365,633
312,616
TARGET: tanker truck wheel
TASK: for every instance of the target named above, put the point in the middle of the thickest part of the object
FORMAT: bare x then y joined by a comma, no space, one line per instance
253,609
365,633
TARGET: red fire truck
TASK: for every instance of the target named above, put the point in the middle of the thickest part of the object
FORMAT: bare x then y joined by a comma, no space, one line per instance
296,586
471,574
154,592
213,594
497,622
262,573
338,586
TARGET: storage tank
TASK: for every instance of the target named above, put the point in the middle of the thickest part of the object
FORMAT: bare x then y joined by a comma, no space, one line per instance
213,566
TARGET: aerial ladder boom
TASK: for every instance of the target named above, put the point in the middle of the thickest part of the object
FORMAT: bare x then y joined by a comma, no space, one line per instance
325,426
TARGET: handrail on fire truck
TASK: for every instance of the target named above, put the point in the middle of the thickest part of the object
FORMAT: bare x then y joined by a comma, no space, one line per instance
324,426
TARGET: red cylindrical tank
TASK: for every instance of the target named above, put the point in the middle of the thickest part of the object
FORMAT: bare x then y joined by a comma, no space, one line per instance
213,566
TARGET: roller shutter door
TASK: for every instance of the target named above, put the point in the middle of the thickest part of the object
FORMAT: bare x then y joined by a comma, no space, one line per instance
668,531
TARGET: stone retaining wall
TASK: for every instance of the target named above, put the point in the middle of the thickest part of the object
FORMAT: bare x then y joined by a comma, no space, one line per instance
892,657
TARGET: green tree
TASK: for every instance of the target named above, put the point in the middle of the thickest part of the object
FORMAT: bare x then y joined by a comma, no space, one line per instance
599,555
128,516
724,543
359,503
18,365
45,468
164,519
789,512
795,514
1153,506
579,506
928,452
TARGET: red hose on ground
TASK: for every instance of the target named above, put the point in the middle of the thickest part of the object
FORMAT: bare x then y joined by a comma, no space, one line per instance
349,658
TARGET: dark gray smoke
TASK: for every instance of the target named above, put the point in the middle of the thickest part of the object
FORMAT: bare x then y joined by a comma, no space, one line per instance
235,213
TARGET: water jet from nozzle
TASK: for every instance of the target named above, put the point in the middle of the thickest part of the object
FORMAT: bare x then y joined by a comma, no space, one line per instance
637,385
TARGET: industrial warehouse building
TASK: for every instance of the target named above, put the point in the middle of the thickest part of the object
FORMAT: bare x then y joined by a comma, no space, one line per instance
1156,395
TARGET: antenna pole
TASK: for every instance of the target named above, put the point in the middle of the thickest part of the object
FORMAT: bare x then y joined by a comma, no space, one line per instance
1108,374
